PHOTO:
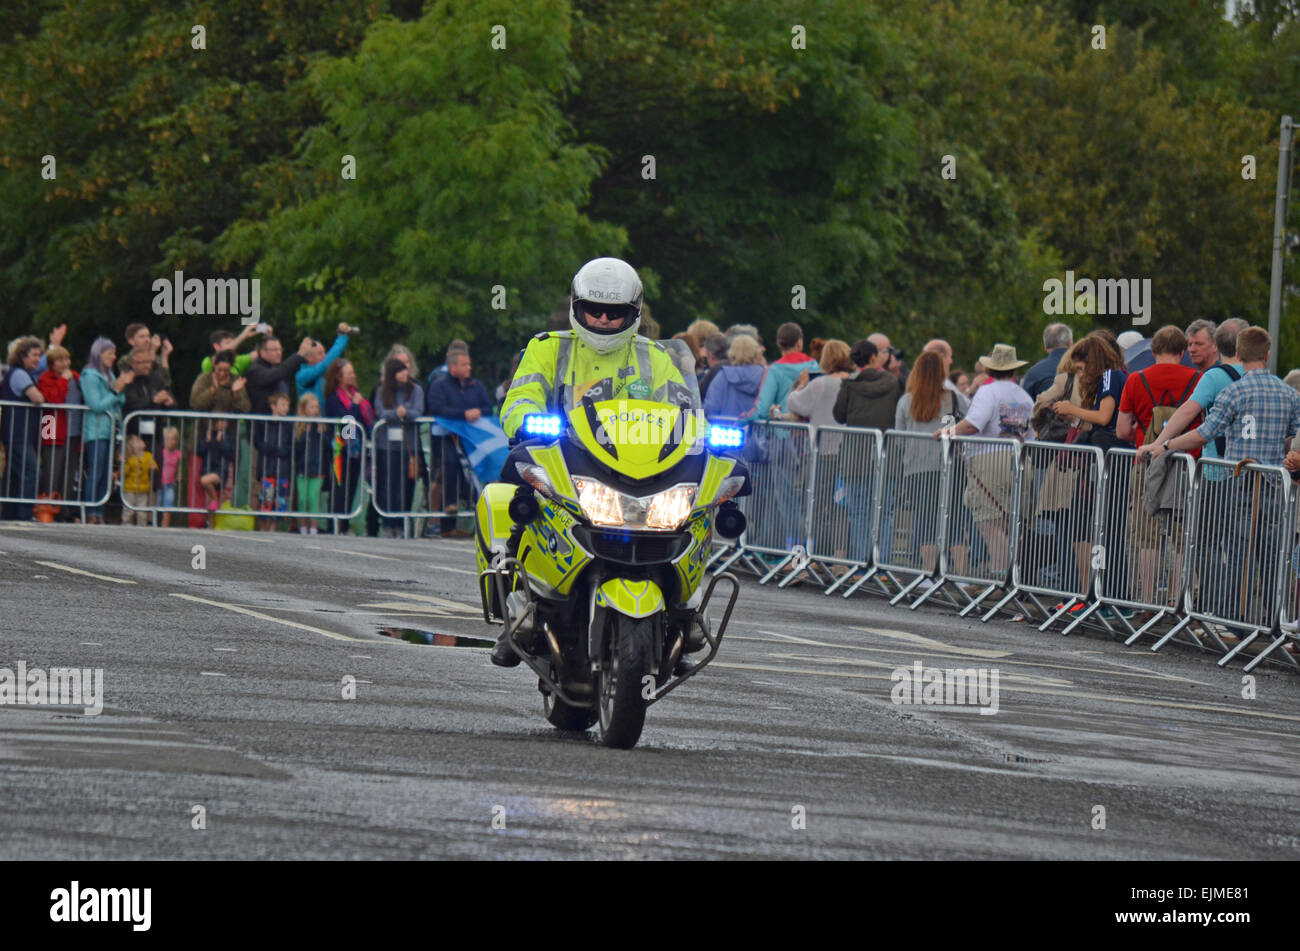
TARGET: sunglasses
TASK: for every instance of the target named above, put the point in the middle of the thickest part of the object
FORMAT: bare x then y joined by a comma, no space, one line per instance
611,311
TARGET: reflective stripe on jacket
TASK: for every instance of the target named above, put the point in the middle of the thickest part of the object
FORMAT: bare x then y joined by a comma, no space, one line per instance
557,369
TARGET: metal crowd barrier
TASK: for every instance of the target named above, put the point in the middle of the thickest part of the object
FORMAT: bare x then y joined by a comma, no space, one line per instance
1152,533
47,461
1242,538
1036,520
983,505
781,460
264,466
840,540
907,512
440,460
1059,529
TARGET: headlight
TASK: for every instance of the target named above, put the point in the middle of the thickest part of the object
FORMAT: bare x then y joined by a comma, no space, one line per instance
599,502
669,509
663,512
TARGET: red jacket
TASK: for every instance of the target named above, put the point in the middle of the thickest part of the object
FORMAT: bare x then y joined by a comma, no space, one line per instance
55,390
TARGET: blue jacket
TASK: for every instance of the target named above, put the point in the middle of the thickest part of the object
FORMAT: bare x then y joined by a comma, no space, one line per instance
450,397
97,390
1042,374
733,391
310,378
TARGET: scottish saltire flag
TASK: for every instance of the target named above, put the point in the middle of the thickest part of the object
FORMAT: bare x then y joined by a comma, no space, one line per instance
484,442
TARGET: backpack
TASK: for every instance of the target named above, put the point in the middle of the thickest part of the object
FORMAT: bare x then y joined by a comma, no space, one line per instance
1054,428
1161,412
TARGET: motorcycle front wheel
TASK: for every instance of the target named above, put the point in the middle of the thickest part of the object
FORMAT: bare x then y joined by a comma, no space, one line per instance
626,666
564,717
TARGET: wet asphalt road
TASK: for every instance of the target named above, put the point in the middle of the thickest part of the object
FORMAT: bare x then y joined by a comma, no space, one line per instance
224,689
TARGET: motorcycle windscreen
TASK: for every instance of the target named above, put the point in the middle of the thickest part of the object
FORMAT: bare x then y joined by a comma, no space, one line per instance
639,438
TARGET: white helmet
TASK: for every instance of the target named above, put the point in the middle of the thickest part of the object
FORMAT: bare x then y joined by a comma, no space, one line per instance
609,286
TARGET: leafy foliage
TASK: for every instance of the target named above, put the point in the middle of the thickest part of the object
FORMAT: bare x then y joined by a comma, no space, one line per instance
775,163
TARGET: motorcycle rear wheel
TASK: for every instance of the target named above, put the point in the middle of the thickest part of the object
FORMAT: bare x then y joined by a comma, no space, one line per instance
628,661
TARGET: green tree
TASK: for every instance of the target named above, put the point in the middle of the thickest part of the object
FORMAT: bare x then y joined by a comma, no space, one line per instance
1115,168
464,183
154,140
771,151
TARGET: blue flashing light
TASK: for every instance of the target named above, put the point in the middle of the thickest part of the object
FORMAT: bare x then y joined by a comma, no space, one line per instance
538,425
726,437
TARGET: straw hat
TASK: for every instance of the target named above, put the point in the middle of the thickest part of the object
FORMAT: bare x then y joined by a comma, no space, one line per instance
1003,357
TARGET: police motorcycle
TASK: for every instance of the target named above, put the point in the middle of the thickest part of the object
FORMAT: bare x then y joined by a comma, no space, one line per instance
591,553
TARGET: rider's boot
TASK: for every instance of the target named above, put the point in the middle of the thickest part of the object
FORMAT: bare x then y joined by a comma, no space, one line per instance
503,655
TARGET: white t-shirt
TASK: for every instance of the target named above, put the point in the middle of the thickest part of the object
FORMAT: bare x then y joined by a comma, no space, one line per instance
1001,410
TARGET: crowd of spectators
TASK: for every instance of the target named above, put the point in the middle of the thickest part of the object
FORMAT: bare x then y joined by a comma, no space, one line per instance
1179,389
62,462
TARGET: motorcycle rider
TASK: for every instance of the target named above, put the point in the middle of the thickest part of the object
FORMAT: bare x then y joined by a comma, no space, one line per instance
602,356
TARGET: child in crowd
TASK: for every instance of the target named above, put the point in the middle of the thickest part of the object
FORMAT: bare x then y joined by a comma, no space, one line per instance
137,481
170,466
312,454
218,452
274,461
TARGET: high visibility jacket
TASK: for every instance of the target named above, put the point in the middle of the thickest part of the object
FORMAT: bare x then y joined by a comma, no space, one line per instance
557,369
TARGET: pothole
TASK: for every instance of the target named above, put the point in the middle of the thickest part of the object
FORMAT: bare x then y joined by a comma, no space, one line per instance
1021,758
415,635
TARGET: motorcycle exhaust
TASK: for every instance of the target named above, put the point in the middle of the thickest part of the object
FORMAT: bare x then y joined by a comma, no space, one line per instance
675,652
555,648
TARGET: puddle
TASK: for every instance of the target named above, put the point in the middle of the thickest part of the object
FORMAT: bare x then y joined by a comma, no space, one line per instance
416,636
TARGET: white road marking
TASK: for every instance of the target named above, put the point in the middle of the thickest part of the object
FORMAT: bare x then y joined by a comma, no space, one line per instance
91,644
921,641
225,650
1170,704
78,571
429,599
459,571
359,554
1006,677
361,656
266,617
209,673
249,536
1136,673
1149,673
394,609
